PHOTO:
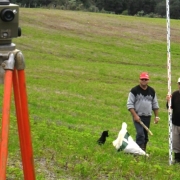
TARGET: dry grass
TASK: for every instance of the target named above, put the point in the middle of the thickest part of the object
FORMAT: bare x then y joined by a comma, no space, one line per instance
86,24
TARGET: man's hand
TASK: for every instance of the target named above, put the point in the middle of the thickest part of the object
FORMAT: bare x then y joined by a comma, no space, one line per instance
136,118
168,97
134,114
156,120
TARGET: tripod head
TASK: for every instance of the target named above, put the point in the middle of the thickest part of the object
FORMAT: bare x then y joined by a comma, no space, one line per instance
9,28
9,22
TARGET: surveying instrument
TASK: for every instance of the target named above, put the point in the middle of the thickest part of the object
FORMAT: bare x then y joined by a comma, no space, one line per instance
12,74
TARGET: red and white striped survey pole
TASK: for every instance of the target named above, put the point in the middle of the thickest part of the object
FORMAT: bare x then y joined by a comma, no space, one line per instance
169,79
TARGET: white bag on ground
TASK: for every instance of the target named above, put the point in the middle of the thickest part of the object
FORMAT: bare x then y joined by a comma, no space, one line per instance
125,142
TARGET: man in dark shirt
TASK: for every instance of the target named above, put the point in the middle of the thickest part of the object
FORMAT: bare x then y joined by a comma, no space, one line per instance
175,106
142,100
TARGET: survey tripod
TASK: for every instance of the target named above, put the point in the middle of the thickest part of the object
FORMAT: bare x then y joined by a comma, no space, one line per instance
12,74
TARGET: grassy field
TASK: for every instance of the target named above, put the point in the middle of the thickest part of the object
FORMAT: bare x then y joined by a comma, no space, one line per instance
80,68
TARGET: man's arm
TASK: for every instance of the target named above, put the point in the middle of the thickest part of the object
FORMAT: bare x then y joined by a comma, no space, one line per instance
156,119
130,106
134,114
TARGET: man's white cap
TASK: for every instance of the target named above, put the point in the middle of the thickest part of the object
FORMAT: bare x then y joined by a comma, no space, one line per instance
178,80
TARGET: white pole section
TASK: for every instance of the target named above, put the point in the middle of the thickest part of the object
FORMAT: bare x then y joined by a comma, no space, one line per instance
169,79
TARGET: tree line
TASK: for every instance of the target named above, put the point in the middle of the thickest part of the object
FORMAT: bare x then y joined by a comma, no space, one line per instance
150,8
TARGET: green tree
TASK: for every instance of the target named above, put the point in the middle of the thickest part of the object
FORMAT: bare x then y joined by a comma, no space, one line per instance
161,8
175,9
116,6
148,6
134,6
100,4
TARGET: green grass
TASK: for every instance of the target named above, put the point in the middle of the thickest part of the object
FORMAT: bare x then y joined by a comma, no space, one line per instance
80,68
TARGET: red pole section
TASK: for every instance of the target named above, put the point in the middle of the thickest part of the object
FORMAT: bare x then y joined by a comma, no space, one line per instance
5,123
19,117
29,173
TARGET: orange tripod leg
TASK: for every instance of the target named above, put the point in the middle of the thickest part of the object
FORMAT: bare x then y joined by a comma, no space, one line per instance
19,116
23,124
5,123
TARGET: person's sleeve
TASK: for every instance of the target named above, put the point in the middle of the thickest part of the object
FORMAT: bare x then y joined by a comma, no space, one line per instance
172,102
155,104
167,105
130,101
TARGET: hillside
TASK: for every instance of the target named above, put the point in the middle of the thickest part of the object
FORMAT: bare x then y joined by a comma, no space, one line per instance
80,68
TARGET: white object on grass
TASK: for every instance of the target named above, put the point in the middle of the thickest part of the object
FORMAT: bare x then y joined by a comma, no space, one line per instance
125,142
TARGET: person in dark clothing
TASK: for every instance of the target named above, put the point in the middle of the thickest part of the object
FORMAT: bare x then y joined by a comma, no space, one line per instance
175,106
142,100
